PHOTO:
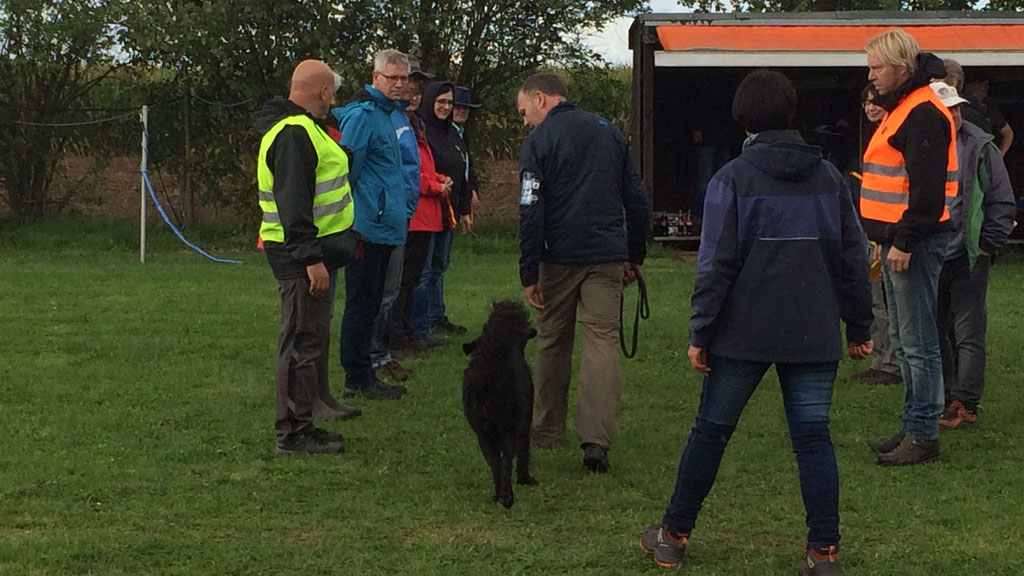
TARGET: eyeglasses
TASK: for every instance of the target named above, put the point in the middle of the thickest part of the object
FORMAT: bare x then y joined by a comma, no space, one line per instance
444,102
869,103
402,78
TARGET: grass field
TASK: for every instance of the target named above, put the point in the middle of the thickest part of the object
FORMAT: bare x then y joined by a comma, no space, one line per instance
137,415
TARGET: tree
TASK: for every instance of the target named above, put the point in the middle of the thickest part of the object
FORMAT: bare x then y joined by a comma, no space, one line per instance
45,46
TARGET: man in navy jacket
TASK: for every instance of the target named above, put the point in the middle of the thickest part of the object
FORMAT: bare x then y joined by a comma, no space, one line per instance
583,222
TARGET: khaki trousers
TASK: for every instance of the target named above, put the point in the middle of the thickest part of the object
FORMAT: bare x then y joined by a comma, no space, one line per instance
594,289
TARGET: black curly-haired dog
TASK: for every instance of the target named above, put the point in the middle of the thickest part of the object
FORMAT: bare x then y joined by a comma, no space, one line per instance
497,395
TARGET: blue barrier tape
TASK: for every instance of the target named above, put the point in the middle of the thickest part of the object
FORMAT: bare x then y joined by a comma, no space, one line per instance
160,209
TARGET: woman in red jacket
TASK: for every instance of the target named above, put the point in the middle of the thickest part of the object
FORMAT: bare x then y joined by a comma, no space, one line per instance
431,210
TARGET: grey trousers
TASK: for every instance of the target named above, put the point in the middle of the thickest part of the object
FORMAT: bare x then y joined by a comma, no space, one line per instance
963,320
301,344
595,290
884,356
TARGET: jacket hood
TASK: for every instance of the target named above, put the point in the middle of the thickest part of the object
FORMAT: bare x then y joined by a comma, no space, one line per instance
426,108
783,154
974,133
929,66
272,112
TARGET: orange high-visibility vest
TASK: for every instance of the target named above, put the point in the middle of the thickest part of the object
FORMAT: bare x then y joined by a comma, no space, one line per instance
885,188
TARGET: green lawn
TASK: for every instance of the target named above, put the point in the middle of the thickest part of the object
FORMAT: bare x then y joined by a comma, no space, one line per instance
137,416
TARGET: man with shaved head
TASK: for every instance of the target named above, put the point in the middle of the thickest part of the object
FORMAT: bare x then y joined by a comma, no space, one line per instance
306,231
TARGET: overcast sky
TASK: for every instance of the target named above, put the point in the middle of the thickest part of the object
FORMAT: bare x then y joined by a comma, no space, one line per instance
613,41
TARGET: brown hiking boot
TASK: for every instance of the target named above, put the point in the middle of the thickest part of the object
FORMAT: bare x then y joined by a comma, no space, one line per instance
912,450
393,371
956,415
887,445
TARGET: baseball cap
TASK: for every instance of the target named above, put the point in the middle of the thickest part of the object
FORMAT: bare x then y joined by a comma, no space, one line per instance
947,94
415,70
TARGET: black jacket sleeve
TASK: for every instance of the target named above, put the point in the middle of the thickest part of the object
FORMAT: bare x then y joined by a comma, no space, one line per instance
531,214
293,162
924,141
638,214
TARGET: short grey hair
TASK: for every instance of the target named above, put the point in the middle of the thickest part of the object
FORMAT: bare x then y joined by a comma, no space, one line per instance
954,75
384,57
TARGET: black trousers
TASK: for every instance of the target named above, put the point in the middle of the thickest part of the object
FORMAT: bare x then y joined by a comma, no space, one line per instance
417,245
963,319
303,340
364,287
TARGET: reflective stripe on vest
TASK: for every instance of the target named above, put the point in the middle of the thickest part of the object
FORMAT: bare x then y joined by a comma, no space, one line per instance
333,211
885,188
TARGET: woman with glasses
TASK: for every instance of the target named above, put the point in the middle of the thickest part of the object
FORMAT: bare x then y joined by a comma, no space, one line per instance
450,153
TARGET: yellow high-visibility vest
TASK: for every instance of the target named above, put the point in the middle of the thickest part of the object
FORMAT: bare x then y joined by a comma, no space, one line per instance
333,211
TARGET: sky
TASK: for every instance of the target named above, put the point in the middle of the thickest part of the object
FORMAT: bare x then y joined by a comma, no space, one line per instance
613,41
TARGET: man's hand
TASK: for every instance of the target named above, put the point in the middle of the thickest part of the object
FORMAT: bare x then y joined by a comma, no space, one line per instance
534,296
319,281
876,251
467,223
898,260
860,350
699,360
630,272
446,186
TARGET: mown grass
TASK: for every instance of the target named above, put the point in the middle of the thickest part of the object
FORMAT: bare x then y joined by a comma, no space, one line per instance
136,407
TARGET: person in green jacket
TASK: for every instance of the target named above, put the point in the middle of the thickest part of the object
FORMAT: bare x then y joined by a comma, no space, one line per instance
982,215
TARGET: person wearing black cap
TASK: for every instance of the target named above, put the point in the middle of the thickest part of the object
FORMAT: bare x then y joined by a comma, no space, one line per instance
983,114
460,117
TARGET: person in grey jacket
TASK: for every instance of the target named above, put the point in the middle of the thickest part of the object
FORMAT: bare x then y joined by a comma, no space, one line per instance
982,216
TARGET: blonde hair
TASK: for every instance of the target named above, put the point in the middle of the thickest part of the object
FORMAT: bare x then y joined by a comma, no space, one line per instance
896,48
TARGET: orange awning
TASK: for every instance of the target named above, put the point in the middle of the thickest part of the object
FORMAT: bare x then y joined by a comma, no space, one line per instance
765,38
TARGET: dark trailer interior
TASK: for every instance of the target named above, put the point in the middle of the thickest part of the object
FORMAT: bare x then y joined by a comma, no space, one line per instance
687,66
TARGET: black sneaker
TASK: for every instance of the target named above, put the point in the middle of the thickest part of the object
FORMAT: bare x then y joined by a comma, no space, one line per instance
316,441
445,326
887,445
376,390
595,458
912,450
666,548
820,562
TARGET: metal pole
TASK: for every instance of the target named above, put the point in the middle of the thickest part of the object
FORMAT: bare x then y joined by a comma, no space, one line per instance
142,198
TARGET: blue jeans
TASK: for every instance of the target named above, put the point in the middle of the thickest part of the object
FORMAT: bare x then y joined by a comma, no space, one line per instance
913,309
807,397
428,298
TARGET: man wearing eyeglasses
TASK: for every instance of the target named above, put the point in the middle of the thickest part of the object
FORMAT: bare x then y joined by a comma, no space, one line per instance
381,215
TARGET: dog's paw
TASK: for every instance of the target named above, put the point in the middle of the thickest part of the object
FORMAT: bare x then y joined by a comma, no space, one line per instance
505,500
527,480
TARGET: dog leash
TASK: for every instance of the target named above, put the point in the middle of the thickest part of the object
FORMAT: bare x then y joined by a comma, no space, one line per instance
643,310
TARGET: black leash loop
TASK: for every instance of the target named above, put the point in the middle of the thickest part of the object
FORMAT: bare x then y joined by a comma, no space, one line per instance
643,310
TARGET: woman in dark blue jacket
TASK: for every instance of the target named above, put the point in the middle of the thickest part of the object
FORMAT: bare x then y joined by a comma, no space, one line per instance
782,259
